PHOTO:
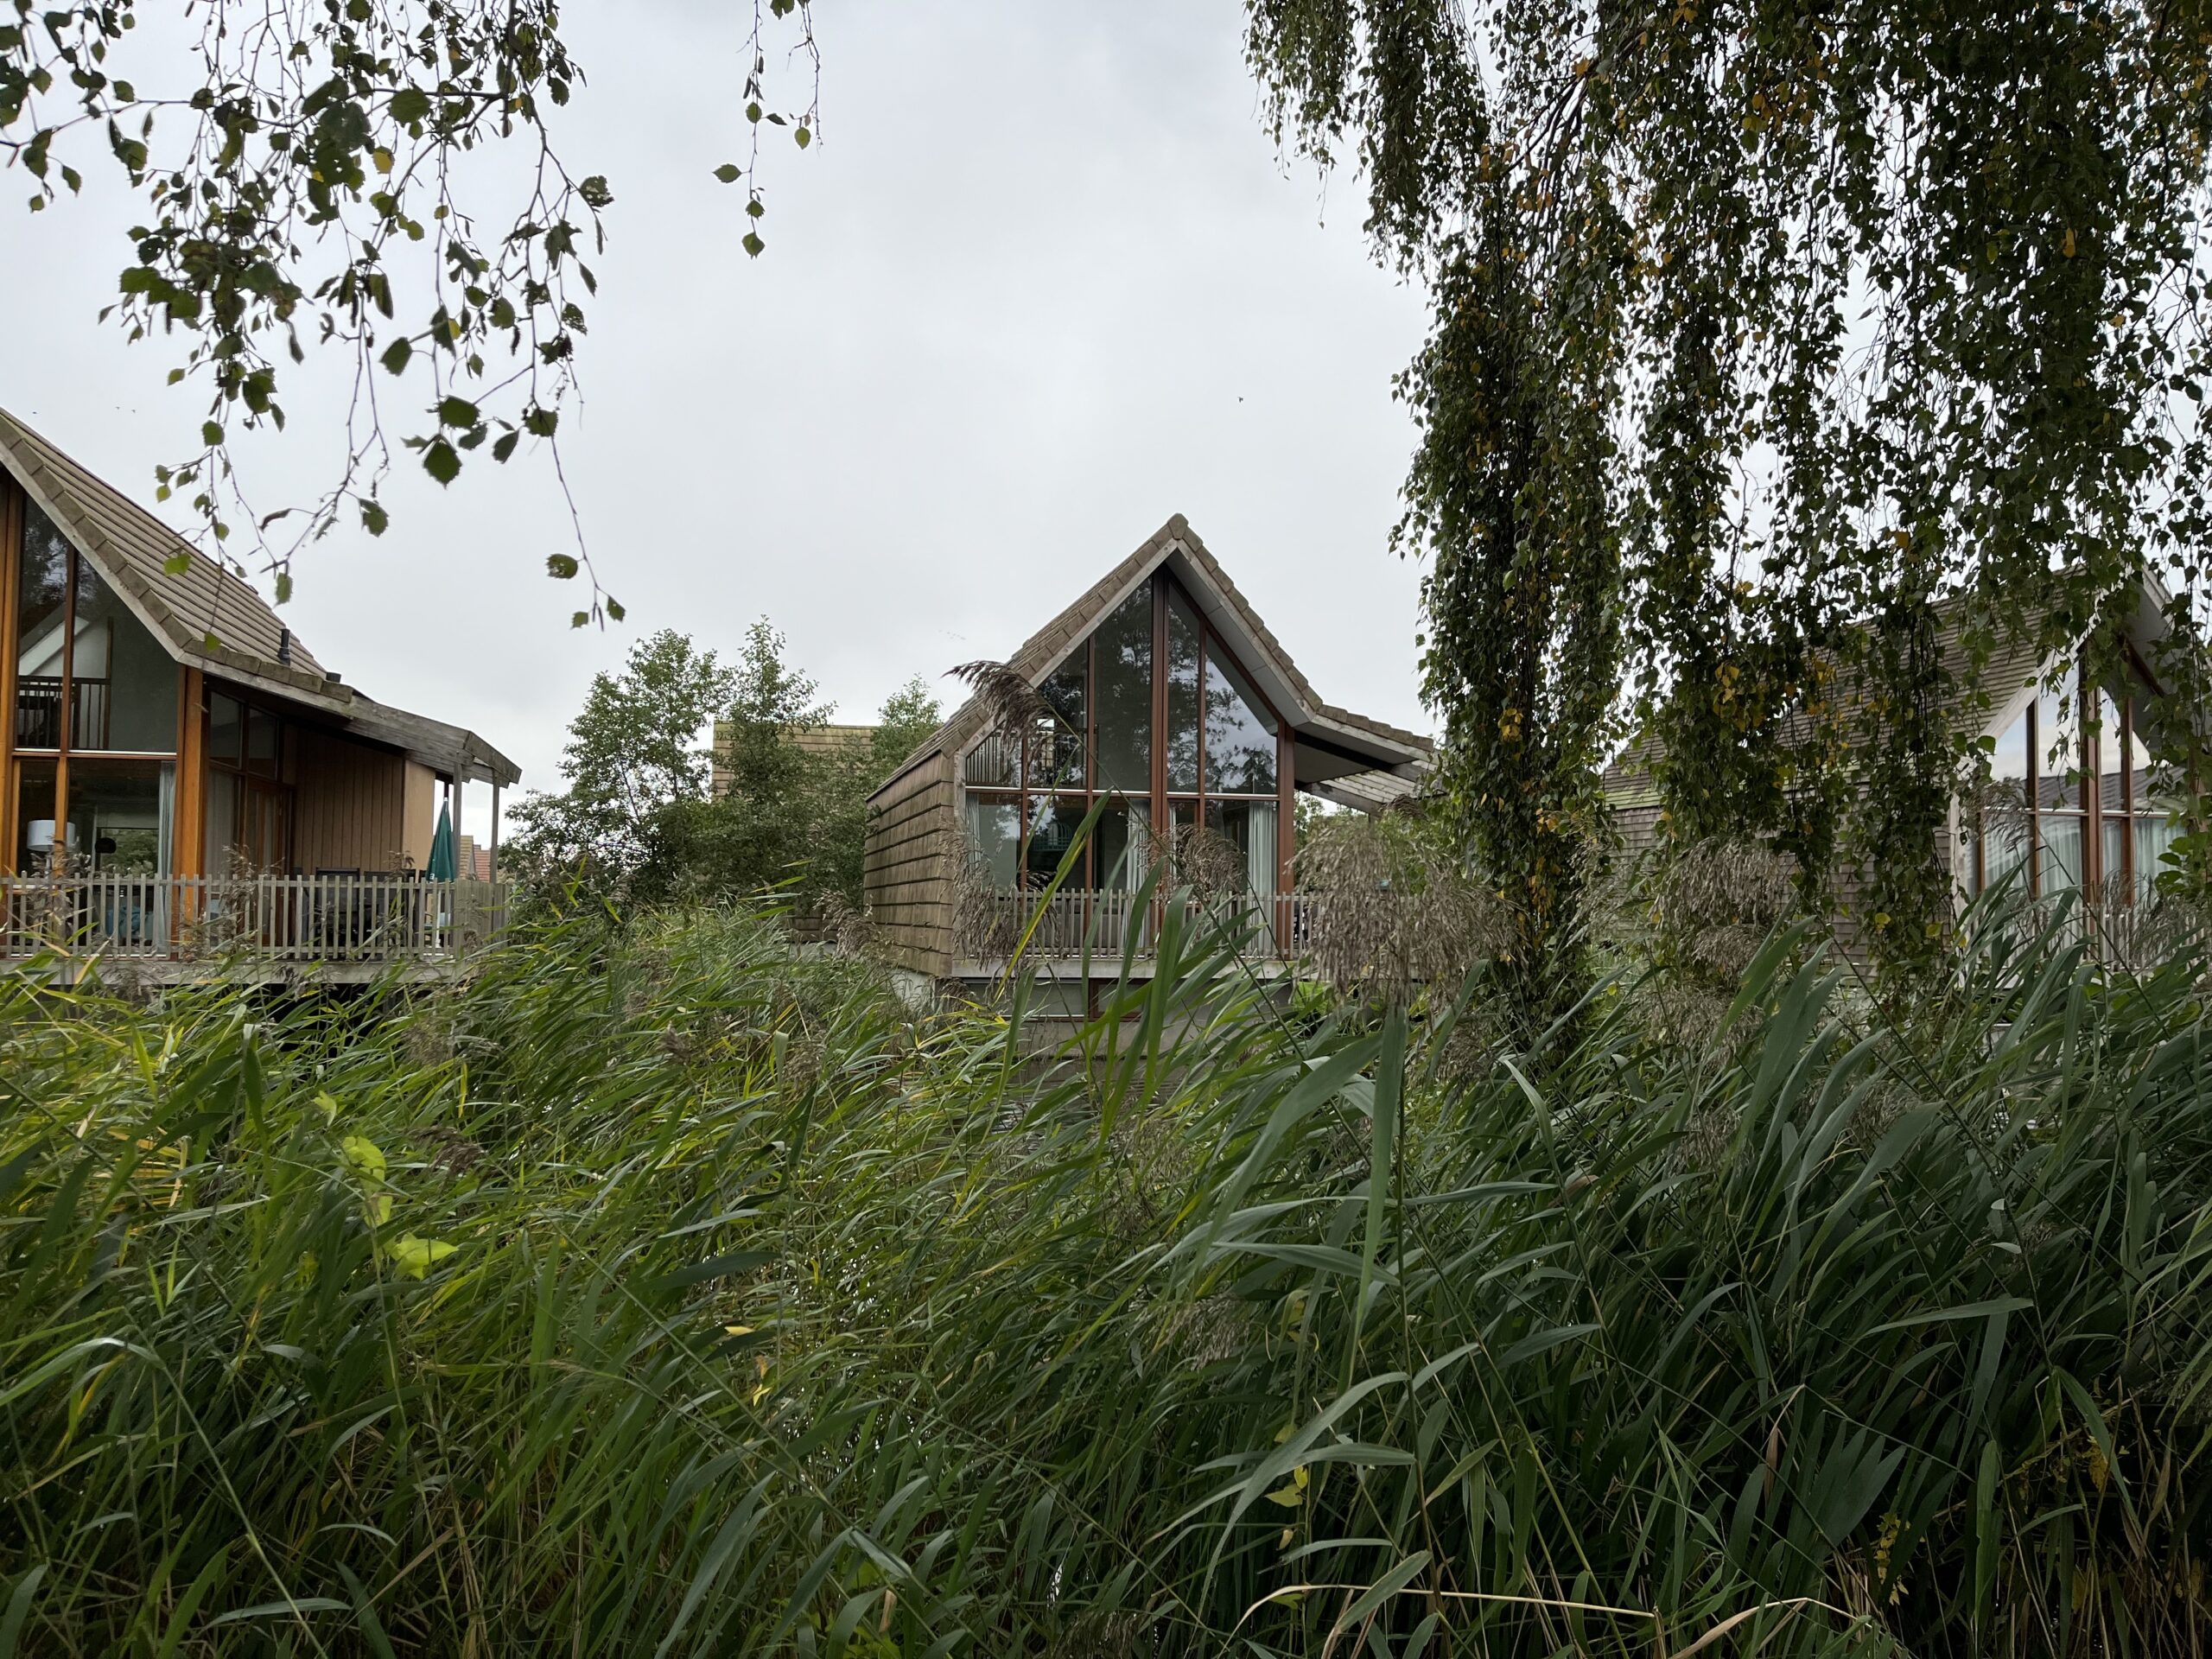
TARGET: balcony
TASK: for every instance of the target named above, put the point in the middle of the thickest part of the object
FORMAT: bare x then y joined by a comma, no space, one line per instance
38,713
167,929
993,925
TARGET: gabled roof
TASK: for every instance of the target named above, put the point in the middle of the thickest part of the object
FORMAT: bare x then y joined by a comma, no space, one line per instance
1356,741
209,616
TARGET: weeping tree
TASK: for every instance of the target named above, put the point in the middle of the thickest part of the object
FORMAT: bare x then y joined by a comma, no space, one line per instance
1776,347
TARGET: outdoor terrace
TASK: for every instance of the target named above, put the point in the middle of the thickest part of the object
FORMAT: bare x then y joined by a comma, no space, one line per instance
167,930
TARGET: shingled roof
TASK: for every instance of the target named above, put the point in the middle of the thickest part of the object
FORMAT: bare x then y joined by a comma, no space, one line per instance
209,616
1175,544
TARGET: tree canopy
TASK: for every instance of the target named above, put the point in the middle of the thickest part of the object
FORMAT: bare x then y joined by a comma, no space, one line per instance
691,779
299,167
1776,346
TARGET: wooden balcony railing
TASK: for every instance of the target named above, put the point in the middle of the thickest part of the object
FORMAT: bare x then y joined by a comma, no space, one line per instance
38,713
272,919
993,925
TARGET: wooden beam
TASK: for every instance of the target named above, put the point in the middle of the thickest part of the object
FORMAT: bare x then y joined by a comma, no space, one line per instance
188,855
11,552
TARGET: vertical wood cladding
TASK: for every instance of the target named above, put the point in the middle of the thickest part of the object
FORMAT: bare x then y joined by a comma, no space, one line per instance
350,809
908,876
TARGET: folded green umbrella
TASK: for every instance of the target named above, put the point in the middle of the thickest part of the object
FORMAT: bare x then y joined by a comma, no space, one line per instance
442,862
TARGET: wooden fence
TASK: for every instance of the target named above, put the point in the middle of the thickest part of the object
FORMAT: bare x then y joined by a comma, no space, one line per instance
273,918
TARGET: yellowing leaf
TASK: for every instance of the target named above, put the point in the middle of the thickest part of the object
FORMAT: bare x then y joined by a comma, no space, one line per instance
2066,246
1289,1496
383,159
364,1155
415,1256
739,1330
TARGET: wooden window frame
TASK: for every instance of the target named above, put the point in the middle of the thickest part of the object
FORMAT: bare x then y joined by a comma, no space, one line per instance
1160,808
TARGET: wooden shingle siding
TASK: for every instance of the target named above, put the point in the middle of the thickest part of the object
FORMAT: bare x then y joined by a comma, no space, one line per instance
913,843
349,808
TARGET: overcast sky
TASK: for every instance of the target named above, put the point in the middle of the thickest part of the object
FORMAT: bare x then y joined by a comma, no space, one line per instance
1043,281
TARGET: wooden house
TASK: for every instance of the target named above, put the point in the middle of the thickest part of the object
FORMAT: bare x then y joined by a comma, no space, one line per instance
1162,702
185,783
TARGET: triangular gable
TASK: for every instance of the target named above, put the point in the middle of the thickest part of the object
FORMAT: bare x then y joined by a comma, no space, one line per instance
1177,546
132,551
183,610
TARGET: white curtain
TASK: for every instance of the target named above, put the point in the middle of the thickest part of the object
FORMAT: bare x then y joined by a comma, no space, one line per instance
1260,856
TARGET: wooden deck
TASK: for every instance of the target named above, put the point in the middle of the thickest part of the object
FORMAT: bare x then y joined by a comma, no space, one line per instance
171,929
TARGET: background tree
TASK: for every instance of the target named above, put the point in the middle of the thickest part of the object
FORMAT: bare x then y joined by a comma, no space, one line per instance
758,832
633,752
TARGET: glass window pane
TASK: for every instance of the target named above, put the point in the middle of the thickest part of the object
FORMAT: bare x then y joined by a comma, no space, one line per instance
1239,735
41,585
1181,670
2059,750
119,812
1123,645
994,763
2153,834
1056,740
35,841
224,856
1249,827
261,739
2061,833
1122,852
225,729
126,683
994,836
2009,766
1052,826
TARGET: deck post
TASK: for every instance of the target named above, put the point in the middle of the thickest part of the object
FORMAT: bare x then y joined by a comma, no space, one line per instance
495,829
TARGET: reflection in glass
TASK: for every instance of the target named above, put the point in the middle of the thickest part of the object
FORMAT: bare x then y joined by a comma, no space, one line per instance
261,742
995,763
126,692
35,839
42,587
2061,836
994,836
1248,826
1124,648
1181,671
1240,737
1056,739
120,814
1122,848
2008,766
2154,833
1052,828
226,728
2058,744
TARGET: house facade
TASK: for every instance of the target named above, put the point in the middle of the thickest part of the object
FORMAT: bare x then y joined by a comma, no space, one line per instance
2073,804
1164,714
183,778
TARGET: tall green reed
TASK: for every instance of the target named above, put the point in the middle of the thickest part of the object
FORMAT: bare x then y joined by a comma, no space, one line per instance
663,1291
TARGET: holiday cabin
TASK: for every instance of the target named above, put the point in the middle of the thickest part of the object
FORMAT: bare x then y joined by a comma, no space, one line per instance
1160,701
188,788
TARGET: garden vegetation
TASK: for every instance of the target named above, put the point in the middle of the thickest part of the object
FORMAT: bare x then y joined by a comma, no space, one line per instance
668,1290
